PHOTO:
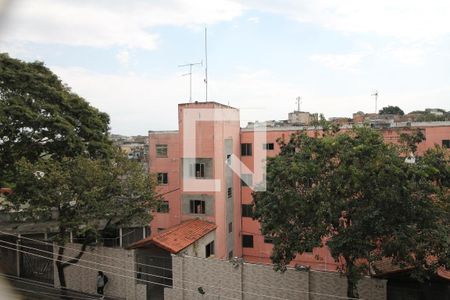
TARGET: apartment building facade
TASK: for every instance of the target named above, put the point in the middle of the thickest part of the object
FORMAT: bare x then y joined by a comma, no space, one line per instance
229,205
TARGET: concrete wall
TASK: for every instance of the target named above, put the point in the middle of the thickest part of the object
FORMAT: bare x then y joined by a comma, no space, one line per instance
118,264
198,247
225,279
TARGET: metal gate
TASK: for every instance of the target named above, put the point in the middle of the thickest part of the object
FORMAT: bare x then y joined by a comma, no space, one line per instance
36,261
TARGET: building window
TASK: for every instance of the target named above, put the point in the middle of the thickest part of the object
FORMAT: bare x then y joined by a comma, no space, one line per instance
161,150
163,207
268,240
209,249
268,146
247,241
246,149
446,144
246,180
199,170
228,159
247,210
230,192
163,178
197,207
230,227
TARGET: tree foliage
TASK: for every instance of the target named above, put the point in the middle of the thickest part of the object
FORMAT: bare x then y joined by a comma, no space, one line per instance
40,116
355,193
56,154
83,196
391,110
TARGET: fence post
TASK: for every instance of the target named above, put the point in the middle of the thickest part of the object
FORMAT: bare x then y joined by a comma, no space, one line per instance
18,255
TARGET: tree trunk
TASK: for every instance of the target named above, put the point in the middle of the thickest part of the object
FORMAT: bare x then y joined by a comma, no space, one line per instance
352,291
61,265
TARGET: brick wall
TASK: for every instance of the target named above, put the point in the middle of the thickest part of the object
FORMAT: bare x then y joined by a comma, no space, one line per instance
118,264
222,279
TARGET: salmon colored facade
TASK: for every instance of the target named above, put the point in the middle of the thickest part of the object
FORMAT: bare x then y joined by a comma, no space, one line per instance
236,234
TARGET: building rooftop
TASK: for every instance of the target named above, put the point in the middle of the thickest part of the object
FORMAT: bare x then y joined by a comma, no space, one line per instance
385,267
204,104
179,236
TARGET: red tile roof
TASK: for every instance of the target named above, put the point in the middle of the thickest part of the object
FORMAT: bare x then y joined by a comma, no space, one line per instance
385,267
179,236
443,273
5,191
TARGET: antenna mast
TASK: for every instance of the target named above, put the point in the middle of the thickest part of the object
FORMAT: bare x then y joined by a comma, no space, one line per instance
190,76
206,65
299,99
375,94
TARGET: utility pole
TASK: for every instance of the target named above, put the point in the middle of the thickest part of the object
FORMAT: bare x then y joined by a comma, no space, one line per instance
190,76
375,94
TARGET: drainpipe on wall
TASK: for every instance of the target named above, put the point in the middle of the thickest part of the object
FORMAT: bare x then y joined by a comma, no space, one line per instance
242,279
182,275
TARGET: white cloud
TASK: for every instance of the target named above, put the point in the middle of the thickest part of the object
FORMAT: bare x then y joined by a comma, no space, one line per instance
405,19
254,20
413,55
123,57
136,103
108,23
346,62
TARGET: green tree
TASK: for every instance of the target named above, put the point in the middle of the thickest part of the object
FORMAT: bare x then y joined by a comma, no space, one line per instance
83,196
391,110
56,154
355,194
410,140
40,116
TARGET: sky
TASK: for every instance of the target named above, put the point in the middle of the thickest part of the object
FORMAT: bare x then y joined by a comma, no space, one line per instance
123,56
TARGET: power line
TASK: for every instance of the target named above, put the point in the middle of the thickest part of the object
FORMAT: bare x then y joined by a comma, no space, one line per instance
40,284
120,275
163,277
53,295
132,271
74,249
169,269
42,292
84,260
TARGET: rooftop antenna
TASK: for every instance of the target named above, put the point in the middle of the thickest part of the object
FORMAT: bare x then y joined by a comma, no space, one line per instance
299,100
206,64
375,94
190,65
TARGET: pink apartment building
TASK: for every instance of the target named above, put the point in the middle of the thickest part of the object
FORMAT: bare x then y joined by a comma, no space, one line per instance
229,208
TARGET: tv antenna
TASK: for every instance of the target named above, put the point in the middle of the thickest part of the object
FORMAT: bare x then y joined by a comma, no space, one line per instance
190,76
206,65
375,94
299,101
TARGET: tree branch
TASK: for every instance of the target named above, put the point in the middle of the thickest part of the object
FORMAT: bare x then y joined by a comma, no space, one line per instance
76,258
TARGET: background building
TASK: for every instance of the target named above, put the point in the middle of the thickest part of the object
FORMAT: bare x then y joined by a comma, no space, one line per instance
230,209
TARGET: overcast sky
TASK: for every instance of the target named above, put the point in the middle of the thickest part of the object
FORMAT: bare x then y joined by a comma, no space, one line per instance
122,56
